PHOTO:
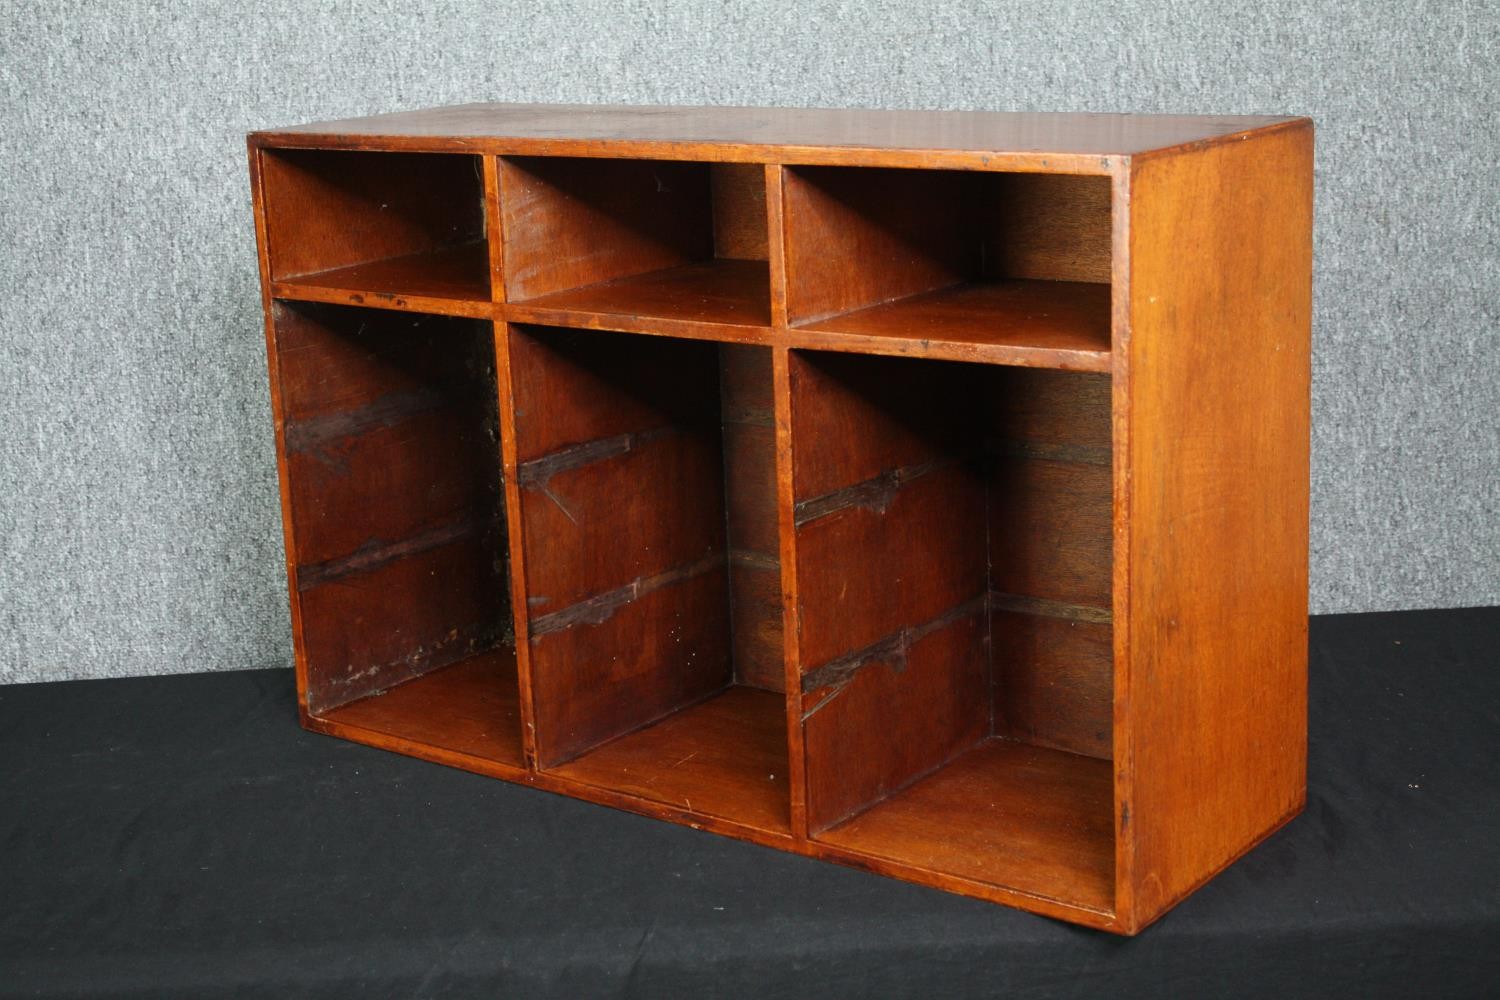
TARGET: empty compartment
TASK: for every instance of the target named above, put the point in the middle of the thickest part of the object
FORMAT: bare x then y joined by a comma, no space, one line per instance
953,548
646,481
397,520
636,244
387,230
1009,268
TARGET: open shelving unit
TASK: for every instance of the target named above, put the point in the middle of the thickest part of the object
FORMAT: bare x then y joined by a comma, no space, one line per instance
922,492
1006,268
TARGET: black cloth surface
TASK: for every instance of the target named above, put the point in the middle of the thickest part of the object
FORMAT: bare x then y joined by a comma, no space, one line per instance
181,836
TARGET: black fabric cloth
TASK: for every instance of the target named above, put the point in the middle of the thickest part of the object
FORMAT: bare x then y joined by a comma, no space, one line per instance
181,836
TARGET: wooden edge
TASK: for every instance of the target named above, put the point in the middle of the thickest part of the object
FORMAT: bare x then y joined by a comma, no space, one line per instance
1122,750
493,236
1141,921
804,338
1013,355
1198,145
1031,902
652,326
514,527
776,244
791,627
466,308
422,751
1126,905
515,542
1001,161
263,255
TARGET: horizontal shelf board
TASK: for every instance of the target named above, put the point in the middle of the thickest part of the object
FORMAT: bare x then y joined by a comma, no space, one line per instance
471,707
1042,324
1025,818
454,282
710,299
724,757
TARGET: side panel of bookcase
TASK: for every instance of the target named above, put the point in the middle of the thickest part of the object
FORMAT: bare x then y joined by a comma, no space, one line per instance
1213,751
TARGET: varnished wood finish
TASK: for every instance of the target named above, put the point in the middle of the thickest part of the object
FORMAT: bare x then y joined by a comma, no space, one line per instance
1215,744
573,223
924,691
471,707
327,210
1051,536
786,522
627,604
946,521
747,412
654,652
889,525
1053,227
1051,558
387,431
453,281
987,493
1034,143
860,237
1034,820
675,300
1054,680
961,263
739,208
1046,324
724,757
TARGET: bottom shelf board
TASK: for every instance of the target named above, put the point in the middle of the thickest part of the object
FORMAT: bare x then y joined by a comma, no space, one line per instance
724,757
1020,817
472,707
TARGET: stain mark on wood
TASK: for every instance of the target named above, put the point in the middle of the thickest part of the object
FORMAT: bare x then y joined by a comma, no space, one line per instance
538,472
753,560
836,674
598,609
1053,452
456,644
1046,608
873,494
379,552
387,411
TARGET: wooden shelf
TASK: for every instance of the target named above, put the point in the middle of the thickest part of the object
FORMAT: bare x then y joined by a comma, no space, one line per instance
1043,324
724,757
471,708
856,484
1025,818
718,299
454,281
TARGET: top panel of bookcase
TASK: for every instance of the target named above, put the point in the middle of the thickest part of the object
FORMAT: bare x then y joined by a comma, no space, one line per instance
1051,143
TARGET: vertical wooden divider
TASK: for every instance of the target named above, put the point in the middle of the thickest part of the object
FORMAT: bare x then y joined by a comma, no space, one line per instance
495,238
785,520
263,255
1121,735
776,242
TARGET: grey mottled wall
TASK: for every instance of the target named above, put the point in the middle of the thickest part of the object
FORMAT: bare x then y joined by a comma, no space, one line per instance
138,510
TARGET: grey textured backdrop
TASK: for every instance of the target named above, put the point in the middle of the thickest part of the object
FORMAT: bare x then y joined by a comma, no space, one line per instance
138,507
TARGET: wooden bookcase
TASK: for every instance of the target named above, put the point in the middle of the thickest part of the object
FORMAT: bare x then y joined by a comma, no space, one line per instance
926,492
